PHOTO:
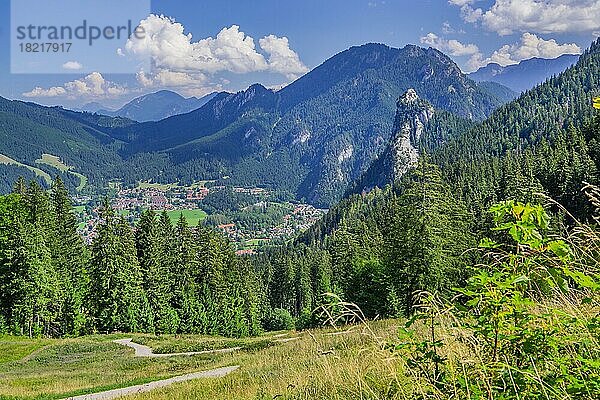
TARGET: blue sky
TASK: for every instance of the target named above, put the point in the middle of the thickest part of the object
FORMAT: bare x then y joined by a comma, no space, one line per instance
273,42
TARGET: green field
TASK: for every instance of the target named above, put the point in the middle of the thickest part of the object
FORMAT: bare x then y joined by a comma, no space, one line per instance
55,162
277,365
13,348
193,217
38,172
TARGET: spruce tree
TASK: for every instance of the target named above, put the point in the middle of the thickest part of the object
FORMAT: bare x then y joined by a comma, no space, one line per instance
117,296
430,232
155,267
192,312
37,288
70,258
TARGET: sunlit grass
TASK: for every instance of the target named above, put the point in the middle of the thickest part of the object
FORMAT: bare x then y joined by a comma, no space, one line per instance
193,217
86,365
322,364
15,348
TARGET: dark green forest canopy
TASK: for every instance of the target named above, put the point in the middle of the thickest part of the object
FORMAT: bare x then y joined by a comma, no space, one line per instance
544,142
157,279
547,138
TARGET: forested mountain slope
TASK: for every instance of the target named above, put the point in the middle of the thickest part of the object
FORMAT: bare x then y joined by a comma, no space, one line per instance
324,129
528,137
83,140
311,139
382,246
543,140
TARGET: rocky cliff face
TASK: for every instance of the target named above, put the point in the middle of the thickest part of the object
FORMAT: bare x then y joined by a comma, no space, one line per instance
412,114
402,153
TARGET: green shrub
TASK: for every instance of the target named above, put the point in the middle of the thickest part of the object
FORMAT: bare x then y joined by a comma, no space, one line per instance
306,320
279,320
521,318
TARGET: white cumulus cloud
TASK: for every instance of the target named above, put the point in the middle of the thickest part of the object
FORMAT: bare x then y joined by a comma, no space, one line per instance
38,91
92,86
72,65
539,16
192,67
281,58
452,47
170,48
529,46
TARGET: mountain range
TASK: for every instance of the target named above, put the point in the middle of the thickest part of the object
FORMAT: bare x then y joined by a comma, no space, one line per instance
311,139
258,131
526,74
152,107
533,144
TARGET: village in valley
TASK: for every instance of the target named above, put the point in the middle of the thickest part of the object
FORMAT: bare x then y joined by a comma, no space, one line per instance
249,217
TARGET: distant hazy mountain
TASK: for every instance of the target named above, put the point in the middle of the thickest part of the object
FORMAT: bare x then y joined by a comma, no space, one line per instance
94,107
526,74
157,106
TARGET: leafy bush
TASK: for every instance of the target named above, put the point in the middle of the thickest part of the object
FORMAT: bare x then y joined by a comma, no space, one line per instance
306,319
279,320
526,324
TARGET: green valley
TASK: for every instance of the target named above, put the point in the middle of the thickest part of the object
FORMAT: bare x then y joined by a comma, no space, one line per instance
254,135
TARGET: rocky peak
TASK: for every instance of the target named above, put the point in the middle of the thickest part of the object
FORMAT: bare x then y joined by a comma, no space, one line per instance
409,97
412,114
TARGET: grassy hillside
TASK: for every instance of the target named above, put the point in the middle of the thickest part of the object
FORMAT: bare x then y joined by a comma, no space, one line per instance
38,172
53,369
388,359
55,162
63,368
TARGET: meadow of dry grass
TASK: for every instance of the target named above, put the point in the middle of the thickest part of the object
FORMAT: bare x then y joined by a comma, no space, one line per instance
322,363
367,360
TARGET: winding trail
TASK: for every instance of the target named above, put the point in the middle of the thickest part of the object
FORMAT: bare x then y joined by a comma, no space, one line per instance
145,351
146,387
